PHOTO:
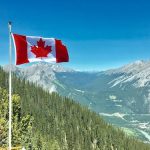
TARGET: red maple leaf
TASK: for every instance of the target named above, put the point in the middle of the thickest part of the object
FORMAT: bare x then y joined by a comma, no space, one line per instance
41,50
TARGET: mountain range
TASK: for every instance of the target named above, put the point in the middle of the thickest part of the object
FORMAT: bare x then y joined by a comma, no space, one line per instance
48,121
121,95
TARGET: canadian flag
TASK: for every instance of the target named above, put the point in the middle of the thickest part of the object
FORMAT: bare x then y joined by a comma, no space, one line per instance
32,48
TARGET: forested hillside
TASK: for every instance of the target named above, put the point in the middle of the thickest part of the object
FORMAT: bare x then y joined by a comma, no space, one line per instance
46,121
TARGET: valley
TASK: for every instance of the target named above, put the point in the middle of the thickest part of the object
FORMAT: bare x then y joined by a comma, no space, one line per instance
121,96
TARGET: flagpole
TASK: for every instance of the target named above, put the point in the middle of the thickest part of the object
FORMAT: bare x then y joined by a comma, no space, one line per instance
10,90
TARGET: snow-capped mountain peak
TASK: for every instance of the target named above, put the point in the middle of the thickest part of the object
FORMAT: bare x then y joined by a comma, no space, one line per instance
41,73
49,67
138,71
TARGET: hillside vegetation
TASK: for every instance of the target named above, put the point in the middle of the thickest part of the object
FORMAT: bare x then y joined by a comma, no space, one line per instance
46,121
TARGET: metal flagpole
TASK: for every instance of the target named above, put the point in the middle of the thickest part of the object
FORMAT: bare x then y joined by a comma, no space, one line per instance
10,90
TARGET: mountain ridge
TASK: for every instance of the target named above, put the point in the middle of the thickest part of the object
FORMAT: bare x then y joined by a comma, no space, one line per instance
56,78
124,90
58,122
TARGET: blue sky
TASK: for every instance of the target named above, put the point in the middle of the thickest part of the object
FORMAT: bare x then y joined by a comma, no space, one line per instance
99,34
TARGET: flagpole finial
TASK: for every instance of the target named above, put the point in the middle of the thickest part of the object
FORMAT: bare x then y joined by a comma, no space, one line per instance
9,26
9,22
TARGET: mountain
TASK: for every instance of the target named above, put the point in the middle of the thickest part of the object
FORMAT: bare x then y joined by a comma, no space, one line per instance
125,89
42,74
48,121
57,122
139,72
121,95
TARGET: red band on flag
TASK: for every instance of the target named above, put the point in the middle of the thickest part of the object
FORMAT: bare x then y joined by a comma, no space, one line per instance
61,52
21,49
